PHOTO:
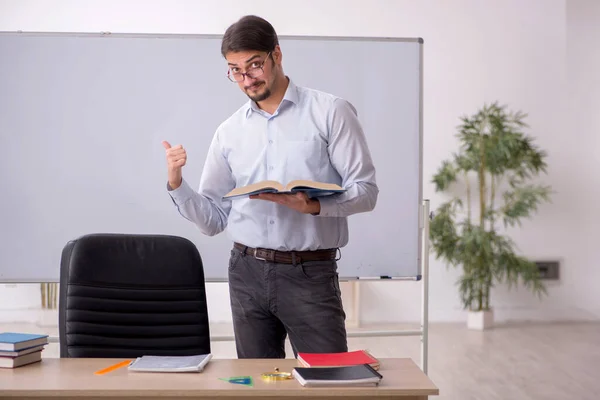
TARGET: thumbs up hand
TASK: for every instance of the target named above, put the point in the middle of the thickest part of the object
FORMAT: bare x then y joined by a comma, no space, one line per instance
176,158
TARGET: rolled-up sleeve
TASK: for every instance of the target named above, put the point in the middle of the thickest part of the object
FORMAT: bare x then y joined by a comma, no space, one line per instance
351,157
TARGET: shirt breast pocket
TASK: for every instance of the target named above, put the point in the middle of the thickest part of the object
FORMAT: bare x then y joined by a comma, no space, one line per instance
304,159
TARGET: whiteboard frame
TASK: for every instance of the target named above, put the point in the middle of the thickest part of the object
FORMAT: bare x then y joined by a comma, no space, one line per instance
418,206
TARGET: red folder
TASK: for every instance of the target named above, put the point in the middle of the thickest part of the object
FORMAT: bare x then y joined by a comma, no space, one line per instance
347,359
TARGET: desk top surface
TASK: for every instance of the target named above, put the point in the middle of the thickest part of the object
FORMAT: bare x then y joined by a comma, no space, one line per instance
75,376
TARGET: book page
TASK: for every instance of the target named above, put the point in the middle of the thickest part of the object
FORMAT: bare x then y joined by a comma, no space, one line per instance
312,184
255,187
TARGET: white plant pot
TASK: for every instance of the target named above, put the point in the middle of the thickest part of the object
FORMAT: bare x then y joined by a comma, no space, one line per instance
480,320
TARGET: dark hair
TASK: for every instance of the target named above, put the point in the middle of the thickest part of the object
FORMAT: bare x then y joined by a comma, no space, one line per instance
249,33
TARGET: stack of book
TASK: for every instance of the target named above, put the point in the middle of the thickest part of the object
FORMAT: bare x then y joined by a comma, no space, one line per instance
17,349
354,368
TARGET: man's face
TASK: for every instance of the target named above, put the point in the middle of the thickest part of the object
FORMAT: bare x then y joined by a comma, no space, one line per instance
259,70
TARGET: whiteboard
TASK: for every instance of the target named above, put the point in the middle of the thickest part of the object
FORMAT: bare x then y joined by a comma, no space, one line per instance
82,117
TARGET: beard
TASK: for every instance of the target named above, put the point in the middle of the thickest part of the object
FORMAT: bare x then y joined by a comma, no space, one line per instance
259,96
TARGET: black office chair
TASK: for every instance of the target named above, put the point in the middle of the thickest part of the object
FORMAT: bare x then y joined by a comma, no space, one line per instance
125,296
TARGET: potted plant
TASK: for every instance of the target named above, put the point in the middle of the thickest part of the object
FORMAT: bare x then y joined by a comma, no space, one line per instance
48,314
489,180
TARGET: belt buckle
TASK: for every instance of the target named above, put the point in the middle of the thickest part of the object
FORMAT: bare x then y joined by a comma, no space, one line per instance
257,257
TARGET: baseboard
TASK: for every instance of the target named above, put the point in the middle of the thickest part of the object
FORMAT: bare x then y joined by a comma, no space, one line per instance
544,315
501,314
38,316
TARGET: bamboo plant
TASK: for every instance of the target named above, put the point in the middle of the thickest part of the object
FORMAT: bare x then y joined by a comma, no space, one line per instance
49,294
489,181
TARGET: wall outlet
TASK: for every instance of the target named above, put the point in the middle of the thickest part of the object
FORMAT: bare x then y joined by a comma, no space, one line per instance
548,269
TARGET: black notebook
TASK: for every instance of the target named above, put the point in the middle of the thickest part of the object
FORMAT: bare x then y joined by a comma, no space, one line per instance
356,375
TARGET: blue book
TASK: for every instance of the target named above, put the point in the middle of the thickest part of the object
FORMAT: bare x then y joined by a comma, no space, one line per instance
13,341
311,188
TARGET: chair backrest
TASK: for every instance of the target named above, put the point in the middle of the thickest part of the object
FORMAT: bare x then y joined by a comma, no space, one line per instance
129,295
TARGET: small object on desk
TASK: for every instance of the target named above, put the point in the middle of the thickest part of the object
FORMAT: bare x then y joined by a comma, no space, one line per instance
113,367
22,352
356,375
170,363
276,375
18,361
14,341
239,380
18,349
344,359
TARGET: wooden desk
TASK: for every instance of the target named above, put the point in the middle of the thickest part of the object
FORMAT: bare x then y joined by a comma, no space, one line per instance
75,378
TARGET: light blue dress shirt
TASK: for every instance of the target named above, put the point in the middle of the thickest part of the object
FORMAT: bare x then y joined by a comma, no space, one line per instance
312,135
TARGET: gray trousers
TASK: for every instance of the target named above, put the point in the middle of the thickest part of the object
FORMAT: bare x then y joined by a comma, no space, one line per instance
270,301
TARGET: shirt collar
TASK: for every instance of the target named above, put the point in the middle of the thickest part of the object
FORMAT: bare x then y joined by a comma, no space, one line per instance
291,96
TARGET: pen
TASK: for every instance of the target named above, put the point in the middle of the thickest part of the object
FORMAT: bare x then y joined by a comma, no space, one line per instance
112,367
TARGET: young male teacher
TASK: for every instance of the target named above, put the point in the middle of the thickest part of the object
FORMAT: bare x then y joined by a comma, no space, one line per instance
283,267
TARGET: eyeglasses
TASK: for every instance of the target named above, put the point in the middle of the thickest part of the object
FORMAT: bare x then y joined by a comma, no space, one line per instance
254,72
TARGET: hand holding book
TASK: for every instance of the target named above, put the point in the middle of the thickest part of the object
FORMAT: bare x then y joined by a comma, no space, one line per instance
298,194
298,201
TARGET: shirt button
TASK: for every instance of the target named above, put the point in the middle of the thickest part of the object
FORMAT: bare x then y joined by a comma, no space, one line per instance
271,167
270,142
272,222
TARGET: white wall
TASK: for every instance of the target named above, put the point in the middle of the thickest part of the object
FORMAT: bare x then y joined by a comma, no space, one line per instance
513,51
583,68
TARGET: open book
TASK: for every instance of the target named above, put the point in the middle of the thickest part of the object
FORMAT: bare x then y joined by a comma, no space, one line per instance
311,188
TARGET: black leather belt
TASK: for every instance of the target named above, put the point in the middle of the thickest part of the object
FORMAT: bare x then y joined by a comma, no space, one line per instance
287,257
